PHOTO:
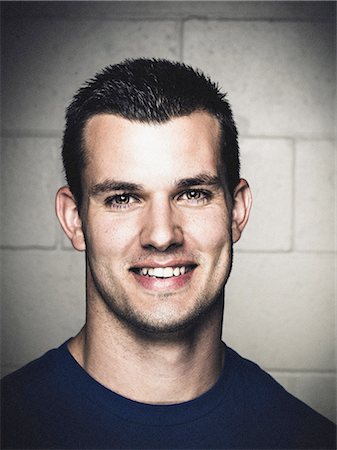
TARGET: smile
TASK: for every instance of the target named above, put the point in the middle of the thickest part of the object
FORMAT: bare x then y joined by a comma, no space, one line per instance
163,272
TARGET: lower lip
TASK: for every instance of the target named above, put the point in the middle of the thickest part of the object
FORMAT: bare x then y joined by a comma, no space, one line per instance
160,284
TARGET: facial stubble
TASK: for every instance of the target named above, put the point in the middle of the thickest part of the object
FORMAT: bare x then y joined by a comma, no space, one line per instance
118,303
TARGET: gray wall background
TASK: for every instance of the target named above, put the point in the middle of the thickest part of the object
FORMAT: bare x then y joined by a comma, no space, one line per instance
276,60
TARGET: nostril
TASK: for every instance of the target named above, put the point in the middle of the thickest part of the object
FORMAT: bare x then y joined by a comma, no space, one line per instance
163,248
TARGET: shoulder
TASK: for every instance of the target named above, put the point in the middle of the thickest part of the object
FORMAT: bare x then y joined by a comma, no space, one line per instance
33,375
270,406
28,394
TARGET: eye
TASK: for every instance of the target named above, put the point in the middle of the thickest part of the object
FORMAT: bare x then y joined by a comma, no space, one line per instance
120,201
195,196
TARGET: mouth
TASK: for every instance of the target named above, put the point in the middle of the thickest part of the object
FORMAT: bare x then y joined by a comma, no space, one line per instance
159,278
163,272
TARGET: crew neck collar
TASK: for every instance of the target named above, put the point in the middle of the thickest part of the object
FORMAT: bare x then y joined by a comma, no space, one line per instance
131,410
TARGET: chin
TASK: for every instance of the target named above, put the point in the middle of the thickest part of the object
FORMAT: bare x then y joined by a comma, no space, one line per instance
167,327
161,318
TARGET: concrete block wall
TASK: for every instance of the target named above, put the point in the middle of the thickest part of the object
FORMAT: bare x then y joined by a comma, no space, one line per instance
276,60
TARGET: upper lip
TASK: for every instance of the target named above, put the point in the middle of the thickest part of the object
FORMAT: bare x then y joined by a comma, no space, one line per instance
153,264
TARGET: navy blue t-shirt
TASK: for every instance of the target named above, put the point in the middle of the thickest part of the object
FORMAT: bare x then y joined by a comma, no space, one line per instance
53,403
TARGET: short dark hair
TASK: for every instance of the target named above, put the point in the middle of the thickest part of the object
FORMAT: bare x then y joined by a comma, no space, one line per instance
147,90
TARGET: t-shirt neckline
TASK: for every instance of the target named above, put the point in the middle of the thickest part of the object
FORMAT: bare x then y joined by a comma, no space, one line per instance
84,384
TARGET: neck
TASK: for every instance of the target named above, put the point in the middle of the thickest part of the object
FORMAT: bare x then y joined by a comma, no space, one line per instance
165,370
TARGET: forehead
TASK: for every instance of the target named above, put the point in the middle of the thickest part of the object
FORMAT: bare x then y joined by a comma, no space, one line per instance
144,152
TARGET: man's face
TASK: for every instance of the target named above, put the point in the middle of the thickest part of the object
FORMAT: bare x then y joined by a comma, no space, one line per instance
155,219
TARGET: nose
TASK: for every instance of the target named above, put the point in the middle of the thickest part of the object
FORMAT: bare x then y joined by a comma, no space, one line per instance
161,228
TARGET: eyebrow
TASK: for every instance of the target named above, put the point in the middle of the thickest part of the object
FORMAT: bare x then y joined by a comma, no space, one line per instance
109,185
202,179
112,185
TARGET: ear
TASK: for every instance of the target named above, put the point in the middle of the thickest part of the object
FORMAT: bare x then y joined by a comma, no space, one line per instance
241,208
69,218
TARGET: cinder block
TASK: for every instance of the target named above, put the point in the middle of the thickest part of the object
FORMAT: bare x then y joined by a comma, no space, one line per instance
280,310
43,302
267,165
314,195
280,76
56,56
30,177
314,389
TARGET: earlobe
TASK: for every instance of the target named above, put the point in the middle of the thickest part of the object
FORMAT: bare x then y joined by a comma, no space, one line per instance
241,208
69,218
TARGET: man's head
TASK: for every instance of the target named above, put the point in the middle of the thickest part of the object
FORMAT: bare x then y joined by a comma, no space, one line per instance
156,220
152,91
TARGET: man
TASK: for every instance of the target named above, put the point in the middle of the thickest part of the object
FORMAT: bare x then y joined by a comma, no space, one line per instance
155,200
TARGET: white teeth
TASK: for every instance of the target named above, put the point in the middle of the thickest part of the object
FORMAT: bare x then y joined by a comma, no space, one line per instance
163,272
158,272
176,272
168,272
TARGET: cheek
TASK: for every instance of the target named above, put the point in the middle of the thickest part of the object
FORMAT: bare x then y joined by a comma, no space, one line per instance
110,236
210,232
